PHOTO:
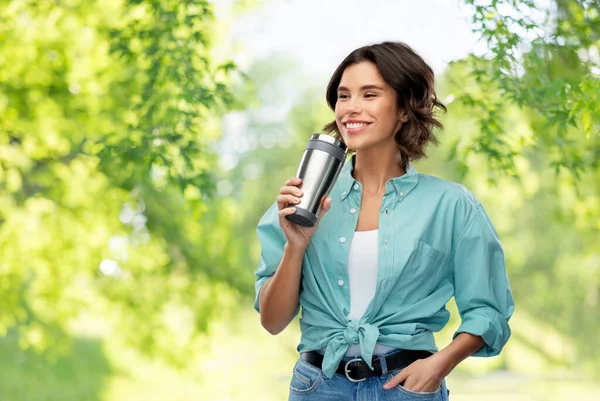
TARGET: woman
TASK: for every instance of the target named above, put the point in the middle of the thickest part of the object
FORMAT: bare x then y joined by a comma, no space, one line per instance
390,248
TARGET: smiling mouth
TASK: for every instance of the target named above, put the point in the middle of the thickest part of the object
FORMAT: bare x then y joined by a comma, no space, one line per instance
355,125
355,128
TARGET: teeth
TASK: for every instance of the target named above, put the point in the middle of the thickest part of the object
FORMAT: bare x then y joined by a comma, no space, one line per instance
356,125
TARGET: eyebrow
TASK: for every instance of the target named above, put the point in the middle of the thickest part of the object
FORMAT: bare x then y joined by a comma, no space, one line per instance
365,87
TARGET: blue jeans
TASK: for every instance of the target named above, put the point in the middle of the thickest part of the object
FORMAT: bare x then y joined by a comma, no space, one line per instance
309,384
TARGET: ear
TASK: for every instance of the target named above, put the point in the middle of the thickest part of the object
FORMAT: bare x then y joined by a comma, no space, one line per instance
402,116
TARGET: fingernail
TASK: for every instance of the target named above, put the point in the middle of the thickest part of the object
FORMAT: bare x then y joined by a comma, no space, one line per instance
386,386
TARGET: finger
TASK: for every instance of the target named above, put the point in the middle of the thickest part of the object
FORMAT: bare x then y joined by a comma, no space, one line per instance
325,206
284,200
287,189
394,381
295,181
286,211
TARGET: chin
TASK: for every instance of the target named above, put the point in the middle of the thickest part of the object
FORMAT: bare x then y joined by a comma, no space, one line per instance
351,144
355,144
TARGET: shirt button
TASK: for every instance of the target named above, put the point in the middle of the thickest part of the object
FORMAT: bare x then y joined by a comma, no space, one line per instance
343,193
383,284
342,240
353,210
355,186
385,243
401,193
341,282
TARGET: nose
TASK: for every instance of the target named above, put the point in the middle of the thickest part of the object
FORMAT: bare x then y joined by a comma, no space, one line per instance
352,107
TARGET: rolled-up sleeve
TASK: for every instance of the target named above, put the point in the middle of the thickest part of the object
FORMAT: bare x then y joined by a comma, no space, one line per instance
481,288
272,242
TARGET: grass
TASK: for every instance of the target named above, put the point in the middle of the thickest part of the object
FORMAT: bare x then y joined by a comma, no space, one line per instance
28,376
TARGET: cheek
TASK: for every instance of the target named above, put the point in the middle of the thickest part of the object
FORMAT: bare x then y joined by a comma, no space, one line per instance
338,114
338,111
390,115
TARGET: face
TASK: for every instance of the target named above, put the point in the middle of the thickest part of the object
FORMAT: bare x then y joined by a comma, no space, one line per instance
366,111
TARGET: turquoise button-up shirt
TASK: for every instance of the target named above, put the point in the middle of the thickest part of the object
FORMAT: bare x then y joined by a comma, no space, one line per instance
435,241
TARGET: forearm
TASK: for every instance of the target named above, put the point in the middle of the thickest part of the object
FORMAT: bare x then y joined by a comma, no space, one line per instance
280,294
463,346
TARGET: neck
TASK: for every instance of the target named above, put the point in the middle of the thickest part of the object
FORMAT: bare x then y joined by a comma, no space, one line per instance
373,169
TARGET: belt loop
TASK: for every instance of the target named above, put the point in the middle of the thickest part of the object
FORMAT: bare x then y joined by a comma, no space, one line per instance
382,361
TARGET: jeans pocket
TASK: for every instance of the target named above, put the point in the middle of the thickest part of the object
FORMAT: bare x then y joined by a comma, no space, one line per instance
306,378
427,395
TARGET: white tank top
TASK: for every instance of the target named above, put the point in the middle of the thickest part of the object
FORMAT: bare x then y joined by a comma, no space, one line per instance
363,261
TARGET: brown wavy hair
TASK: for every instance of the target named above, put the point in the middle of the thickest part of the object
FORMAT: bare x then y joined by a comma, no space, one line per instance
412,79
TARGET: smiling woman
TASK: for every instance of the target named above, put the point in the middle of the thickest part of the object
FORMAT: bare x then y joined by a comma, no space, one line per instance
390,248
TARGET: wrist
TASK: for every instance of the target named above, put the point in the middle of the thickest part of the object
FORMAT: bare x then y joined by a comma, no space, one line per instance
446,363
295,247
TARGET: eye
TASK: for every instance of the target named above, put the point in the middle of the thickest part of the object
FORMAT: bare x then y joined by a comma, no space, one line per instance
343,96
370,95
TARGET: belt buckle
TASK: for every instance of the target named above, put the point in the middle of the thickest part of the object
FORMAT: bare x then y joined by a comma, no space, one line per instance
347,370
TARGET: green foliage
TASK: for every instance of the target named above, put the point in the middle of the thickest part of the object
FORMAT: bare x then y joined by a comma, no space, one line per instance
174,88
548,224
545,61
106,179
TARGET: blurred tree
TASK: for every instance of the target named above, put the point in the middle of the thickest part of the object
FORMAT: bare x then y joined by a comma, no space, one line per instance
531,108
544,58
107,110
264,143
548,233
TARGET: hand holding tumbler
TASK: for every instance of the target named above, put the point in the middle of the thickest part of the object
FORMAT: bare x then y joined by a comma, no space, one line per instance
320,166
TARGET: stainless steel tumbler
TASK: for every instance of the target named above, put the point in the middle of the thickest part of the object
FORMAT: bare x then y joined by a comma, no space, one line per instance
319,168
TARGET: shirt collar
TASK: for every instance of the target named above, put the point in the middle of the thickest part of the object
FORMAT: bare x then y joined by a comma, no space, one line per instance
402,185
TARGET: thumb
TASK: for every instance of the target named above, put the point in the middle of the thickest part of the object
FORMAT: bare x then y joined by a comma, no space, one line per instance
394,381
325,206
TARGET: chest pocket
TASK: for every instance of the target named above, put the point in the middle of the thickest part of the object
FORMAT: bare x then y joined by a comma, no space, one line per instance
422,273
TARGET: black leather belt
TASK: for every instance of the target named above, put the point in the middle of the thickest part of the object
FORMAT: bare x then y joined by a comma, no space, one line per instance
357,370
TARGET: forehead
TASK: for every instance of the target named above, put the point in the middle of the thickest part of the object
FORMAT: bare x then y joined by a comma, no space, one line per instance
361,74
